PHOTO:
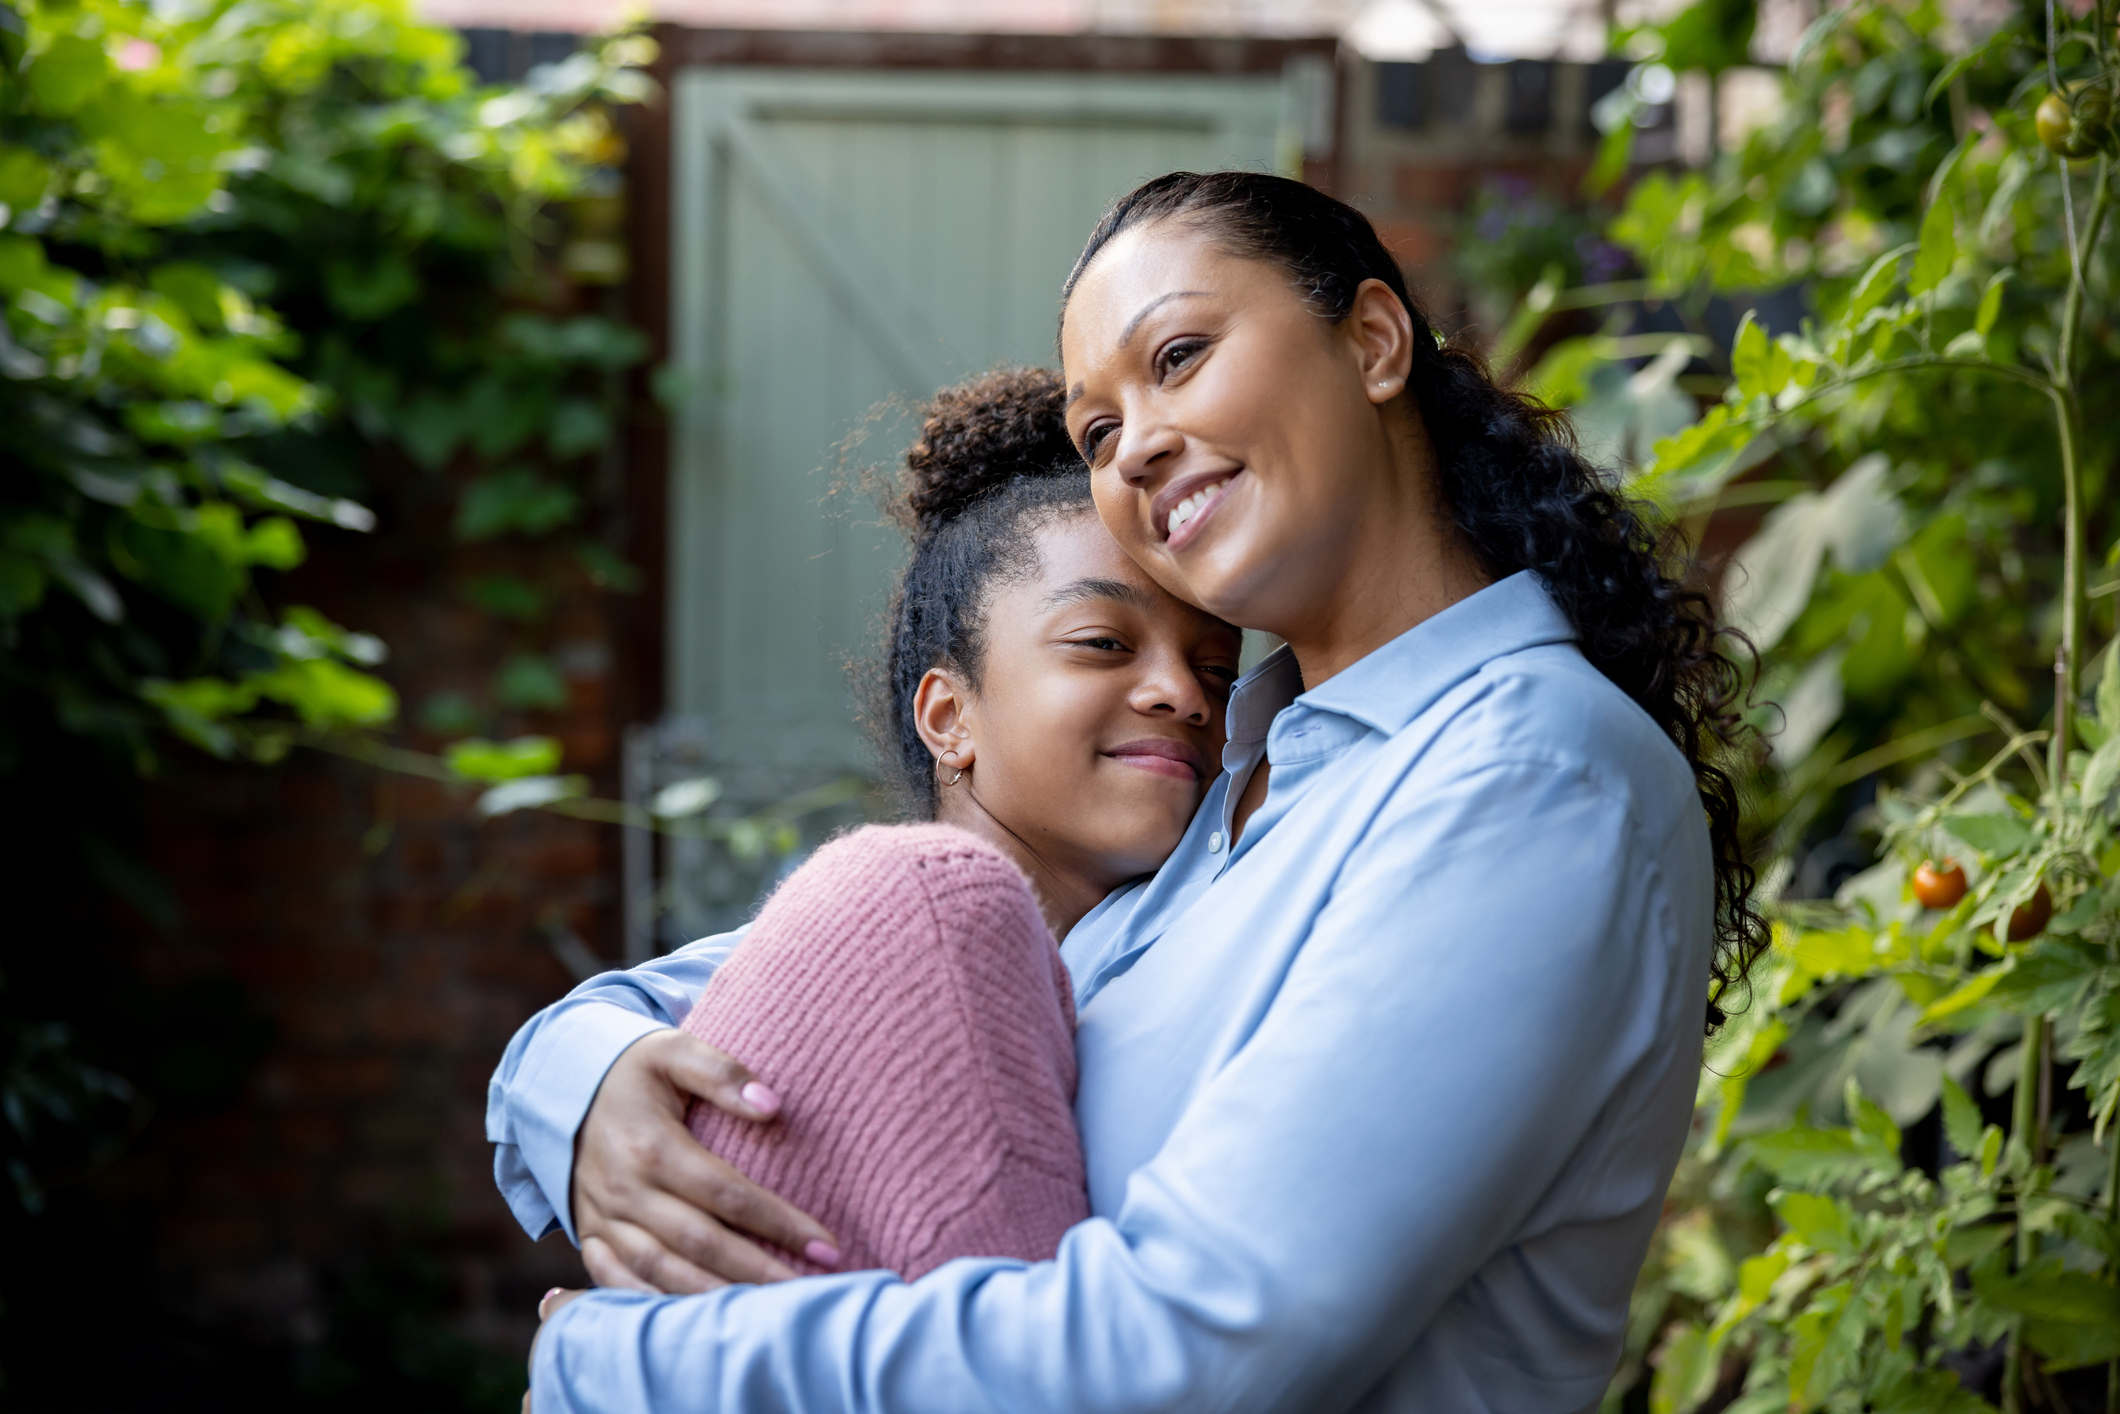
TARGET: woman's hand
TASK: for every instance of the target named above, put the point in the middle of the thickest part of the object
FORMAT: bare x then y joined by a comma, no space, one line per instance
654,1210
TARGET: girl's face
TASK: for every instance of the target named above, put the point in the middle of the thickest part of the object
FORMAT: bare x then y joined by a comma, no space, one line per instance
1255,459
1097,722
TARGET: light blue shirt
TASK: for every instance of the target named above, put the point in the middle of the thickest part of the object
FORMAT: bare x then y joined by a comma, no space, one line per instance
1379,1107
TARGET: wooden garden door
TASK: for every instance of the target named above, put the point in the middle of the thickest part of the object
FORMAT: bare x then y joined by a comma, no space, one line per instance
843,238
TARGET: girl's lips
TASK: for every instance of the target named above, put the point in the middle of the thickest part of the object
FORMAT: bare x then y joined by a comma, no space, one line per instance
1163,757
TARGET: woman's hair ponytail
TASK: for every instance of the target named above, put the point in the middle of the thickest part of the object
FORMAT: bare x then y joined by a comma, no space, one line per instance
1522,497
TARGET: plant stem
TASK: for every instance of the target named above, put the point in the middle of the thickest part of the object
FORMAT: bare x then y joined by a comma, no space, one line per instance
2026,1116
2066,412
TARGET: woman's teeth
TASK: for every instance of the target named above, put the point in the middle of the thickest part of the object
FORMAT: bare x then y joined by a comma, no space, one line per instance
1191,506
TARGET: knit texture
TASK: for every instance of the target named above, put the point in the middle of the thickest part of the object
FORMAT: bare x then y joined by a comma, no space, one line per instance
902,994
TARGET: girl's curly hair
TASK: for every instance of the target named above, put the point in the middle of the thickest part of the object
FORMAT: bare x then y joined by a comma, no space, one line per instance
1523,498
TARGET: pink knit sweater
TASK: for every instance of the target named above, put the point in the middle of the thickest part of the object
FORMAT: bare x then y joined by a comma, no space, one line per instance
903,995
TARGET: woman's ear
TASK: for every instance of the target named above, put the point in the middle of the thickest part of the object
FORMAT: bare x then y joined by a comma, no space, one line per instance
1383,335
942,714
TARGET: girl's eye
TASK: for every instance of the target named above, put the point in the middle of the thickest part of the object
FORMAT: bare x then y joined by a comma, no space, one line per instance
1108,645
1093,440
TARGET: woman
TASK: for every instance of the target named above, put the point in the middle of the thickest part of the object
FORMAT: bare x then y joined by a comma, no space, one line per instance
1384,1074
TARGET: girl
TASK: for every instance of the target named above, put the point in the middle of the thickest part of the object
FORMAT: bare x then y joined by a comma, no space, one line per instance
1383,1076
1061,714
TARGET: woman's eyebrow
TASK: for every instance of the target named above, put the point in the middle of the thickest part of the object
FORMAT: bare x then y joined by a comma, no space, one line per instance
1083,590
1133,326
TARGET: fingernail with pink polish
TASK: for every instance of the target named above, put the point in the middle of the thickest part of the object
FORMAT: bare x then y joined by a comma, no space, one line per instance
758,1097
544,1300
824,1254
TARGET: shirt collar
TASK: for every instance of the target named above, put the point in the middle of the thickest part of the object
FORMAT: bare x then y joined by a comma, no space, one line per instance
1396,682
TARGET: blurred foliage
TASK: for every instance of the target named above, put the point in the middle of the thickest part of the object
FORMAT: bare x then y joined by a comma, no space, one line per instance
1900,1192
248,252
1516,234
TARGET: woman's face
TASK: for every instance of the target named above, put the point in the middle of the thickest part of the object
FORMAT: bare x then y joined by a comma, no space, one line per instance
1097,722
1243,450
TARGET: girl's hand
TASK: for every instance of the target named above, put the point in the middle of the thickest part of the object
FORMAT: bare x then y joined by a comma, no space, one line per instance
657,1212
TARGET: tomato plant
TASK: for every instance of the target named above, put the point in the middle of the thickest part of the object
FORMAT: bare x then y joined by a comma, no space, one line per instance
1901,1191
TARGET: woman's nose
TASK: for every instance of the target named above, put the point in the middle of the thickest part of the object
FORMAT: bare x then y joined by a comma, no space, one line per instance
1144,444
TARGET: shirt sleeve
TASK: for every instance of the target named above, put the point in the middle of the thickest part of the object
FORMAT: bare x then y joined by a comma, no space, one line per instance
550,1072
1494,963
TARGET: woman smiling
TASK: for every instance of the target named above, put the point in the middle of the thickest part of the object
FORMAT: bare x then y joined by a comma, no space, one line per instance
1383,1074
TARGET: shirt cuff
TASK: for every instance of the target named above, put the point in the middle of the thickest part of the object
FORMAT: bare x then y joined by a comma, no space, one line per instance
571,1058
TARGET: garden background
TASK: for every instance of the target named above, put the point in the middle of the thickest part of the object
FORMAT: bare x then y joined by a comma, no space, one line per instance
336,406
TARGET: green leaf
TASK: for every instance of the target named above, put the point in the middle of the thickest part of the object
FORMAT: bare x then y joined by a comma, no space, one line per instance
481,760
1819,1221
1749,358
530,792
1802,1154
21,584
369,289
1688,1367
530,683
2051,1292
24,176
274,543
1990,304
1875,285
517,499
577,426
326,693
1939,247
1962,1123
1995,836
1967,1245
1969,993
68,74
2047,976
2109,690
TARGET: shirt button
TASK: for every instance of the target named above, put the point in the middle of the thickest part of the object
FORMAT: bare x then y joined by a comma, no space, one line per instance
1214,843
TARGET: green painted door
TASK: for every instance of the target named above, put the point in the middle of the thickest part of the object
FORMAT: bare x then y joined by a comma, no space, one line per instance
842,240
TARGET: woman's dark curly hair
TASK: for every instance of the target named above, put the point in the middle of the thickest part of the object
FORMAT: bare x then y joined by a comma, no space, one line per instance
992,465
1522,497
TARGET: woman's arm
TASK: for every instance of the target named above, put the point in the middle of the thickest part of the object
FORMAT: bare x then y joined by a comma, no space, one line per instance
586,1115
1502,975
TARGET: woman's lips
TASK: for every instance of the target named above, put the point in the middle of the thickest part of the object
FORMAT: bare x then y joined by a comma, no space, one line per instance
1175,759
1182,511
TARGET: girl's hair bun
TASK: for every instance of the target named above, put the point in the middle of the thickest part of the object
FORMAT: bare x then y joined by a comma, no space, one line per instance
983,434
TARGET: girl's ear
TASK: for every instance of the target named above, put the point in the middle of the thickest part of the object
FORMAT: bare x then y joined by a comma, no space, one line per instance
942,714
1383,336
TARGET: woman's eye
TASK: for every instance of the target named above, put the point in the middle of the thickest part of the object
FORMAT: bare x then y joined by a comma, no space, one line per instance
1108,645
1179,355
1093,440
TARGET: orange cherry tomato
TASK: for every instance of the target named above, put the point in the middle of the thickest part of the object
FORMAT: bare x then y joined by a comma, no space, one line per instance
1939,885
2029,919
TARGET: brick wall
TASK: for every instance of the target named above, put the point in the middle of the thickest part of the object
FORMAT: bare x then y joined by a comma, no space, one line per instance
395,942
